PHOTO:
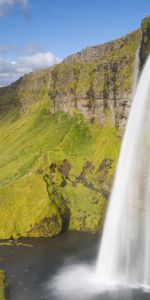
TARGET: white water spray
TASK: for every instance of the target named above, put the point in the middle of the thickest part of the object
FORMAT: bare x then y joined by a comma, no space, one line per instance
124,256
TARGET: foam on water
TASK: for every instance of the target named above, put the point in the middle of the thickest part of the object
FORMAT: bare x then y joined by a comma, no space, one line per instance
124,254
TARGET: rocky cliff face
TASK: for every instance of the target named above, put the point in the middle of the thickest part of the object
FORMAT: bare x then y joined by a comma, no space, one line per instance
60,138
29,89
145,41
97,81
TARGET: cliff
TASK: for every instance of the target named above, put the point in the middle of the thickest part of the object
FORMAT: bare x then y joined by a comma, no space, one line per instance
97,81
60,134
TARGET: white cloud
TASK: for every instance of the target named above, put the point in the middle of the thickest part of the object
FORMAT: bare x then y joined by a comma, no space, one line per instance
5,5
12,70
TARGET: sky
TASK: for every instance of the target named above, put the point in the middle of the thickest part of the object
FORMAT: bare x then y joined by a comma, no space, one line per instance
36,34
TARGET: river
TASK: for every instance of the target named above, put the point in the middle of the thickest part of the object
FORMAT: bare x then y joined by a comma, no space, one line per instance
29,269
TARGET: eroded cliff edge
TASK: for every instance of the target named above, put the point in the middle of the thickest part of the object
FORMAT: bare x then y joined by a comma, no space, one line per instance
60,134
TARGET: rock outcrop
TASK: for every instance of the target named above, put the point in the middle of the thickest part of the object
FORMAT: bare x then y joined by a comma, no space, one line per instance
97,81
145,41
60,134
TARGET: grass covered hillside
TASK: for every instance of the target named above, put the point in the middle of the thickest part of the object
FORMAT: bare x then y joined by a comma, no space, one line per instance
56,171
60,140
2,285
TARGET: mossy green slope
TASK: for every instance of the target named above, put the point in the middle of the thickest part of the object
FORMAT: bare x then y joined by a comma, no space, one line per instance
2,285
60,138
56,172
59,141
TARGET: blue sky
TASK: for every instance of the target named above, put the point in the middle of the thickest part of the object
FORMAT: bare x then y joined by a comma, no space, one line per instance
35,33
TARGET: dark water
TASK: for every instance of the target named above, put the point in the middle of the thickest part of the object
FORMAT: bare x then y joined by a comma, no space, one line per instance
29,268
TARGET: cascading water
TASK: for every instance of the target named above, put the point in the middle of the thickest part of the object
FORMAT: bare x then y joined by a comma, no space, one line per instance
124,256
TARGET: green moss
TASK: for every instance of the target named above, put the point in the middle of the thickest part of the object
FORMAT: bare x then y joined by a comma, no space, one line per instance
14,243
57,170
87,207
24,206
73,86
30,203
2,285
145,41
145,24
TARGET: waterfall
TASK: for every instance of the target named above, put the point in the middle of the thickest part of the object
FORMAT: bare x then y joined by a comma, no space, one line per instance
136,70
124,255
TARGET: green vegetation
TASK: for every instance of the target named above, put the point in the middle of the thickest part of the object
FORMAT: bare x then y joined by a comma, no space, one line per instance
145,41
2,285
10,243
145,24
56,168
107,76
37,202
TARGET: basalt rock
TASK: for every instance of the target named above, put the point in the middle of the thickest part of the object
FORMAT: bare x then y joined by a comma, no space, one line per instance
60,138
145,41
96,81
